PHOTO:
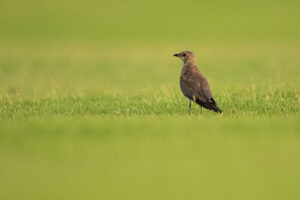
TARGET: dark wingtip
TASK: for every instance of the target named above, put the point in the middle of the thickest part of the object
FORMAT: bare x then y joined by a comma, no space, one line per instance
209,106
216,109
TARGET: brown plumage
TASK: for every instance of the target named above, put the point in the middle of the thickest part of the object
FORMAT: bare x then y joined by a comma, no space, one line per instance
194,85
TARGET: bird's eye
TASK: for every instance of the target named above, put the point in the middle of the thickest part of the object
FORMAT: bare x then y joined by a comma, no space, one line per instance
184,55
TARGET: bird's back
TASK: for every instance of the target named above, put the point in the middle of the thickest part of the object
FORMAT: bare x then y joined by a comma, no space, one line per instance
192,81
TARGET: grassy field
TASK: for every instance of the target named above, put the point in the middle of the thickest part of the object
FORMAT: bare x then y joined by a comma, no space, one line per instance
90,105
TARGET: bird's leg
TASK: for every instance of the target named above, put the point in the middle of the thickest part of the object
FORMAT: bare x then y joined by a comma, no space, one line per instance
190,106
201,110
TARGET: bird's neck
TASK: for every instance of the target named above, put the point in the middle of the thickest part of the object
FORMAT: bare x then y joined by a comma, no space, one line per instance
190,64
191,61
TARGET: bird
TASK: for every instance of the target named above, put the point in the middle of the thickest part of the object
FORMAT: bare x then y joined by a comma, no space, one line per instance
194,85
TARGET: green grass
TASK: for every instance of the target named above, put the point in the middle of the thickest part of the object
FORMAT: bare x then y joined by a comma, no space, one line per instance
88,122
247,81
242,104
90,105
150,158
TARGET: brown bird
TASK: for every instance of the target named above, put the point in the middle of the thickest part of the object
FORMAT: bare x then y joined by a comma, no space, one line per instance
194,85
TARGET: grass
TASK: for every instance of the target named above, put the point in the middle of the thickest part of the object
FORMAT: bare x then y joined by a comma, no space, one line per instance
111,123
148,158
90,105
120,82
153,103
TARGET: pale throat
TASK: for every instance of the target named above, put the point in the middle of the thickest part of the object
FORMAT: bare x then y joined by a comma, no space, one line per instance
190,62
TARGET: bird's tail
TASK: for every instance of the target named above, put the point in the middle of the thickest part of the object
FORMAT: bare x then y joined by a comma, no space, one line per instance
209,105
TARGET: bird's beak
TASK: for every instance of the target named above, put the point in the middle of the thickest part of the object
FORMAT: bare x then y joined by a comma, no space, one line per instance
176,55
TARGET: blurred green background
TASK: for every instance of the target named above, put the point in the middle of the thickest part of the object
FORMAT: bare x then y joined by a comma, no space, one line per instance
90,105
151,21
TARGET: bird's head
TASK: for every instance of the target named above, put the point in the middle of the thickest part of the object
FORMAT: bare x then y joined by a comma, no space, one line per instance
187,57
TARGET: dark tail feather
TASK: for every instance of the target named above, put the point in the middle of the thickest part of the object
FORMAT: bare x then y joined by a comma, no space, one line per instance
209,105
